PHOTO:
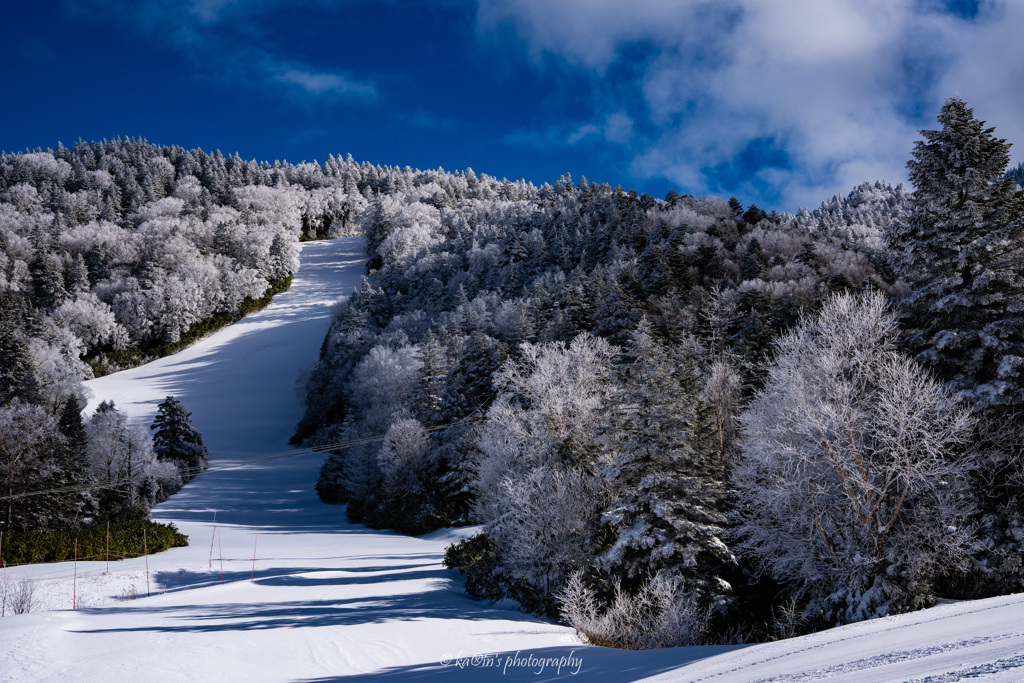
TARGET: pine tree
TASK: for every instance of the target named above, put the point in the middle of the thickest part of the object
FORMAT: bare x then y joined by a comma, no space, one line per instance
666,479
961,252
177,440
17,371
469,383
47,280
75,507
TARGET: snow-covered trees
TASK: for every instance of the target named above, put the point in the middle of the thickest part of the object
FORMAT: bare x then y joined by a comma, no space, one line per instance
128,475
960,251
853,483
29,444
493,287
131,246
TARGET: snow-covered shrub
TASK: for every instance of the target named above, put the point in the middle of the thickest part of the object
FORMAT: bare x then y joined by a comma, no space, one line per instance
659,614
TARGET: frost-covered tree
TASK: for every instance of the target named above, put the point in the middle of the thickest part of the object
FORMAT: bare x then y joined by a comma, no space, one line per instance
176,439
128,476
535,493
29,440
852,486
402,459
961,251
17,371
661,613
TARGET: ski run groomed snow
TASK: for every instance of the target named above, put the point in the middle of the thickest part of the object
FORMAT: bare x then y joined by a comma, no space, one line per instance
282,588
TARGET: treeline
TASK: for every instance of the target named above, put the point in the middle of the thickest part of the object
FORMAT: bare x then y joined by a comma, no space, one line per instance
578,368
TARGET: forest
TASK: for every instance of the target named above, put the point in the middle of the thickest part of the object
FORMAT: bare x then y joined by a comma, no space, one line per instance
114,253
676,421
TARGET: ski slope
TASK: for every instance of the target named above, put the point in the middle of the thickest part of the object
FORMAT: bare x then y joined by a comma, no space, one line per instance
276,586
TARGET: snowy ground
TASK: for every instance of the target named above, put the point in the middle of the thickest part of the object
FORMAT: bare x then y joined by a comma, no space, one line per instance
326,599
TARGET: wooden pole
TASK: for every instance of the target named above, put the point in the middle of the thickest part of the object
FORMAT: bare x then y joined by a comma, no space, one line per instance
213,536
220,551
108,546
252,577
145,551
74,581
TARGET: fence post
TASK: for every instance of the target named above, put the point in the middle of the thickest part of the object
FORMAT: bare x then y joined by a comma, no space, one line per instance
145,551
74,581
213,536
108,546
253,575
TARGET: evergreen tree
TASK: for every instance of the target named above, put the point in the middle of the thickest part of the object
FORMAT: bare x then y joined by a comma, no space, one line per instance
176,440
75,507
666,480
469,384
961,252
77,275
47,281
17,372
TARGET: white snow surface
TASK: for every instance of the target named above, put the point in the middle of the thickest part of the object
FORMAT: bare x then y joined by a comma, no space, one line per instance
326,599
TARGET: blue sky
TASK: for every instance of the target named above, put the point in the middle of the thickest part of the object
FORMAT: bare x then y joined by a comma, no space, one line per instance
782,103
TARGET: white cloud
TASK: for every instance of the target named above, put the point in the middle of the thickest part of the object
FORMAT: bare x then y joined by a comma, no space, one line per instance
320,83
616,128
839,86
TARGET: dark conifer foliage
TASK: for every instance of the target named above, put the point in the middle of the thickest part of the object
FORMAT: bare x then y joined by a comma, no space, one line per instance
960,251
176,440
666,479
78,505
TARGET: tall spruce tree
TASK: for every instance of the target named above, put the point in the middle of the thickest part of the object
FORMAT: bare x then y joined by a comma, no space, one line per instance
17,371
961,252
665,477
177,440
75,505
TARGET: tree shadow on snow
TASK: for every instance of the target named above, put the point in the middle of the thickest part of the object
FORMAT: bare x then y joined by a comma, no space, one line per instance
181,579
437,603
